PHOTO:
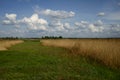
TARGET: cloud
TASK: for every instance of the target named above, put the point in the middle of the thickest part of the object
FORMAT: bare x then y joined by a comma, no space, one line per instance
60,26
98,23
58,14
56,26
116,27
34,19
10,19
101,14
98,26
11,16
7,22
67,26
93,28
36,25
82,24
56,18
34,22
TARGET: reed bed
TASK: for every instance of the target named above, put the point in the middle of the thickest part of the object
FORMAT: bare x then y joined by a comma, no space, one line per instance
106,51
5,44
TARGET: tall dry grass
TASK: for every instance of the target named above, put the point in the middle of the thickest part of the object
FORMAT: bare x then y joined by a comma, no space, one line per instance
106,51
4,44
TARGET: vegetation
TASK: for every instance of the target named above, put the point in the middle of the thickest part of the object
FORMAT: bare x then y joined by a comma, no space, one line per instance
4,44
52,37
106,51
32,61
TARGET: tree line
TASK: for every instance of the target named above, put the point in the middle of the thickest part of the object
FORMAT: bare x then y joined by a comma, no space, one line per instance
43,37
52,37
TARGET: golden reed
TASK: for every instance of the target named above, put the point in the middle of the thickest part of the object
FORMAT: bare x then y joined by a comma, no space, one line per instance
4,44
106,51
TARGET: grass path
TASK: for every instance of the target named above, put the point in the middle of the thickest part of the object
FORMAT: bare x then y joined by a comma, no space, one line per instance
32,61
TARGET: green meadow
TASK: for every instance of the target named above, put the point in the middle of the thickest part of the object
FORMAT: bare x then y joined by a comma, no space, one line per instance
31,60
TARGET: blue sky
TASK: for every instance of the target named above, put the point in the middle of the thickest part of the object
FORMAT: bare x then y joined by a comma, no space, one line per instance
68,18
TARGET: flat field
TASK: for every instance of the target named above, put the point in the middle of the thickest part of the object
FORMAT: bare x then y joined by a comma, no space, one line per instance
31,60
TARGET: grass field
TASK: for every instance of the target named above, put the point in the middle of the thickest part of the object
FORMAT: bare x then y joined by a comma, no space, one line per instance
32,61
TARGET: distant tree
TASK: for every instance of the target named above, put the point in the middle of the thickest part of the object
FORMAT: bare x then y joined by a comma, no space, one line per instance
52,37
60,37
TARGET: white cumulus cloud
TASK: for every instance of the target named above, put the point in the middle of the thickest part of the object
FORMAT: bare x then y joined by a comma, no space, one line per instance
7,22
98,23
10,19
94,28
34,22
11,16
67,26
59,14
101,14
98,26
116,27
56,26
34,19
82,24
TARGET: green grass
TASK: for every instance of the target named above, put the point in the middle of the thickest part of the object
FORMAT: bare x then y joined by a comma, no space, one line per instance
32,61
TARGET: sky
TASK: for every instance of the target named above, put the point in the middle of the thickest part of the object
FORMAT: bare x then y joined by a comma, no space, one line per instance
67,18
